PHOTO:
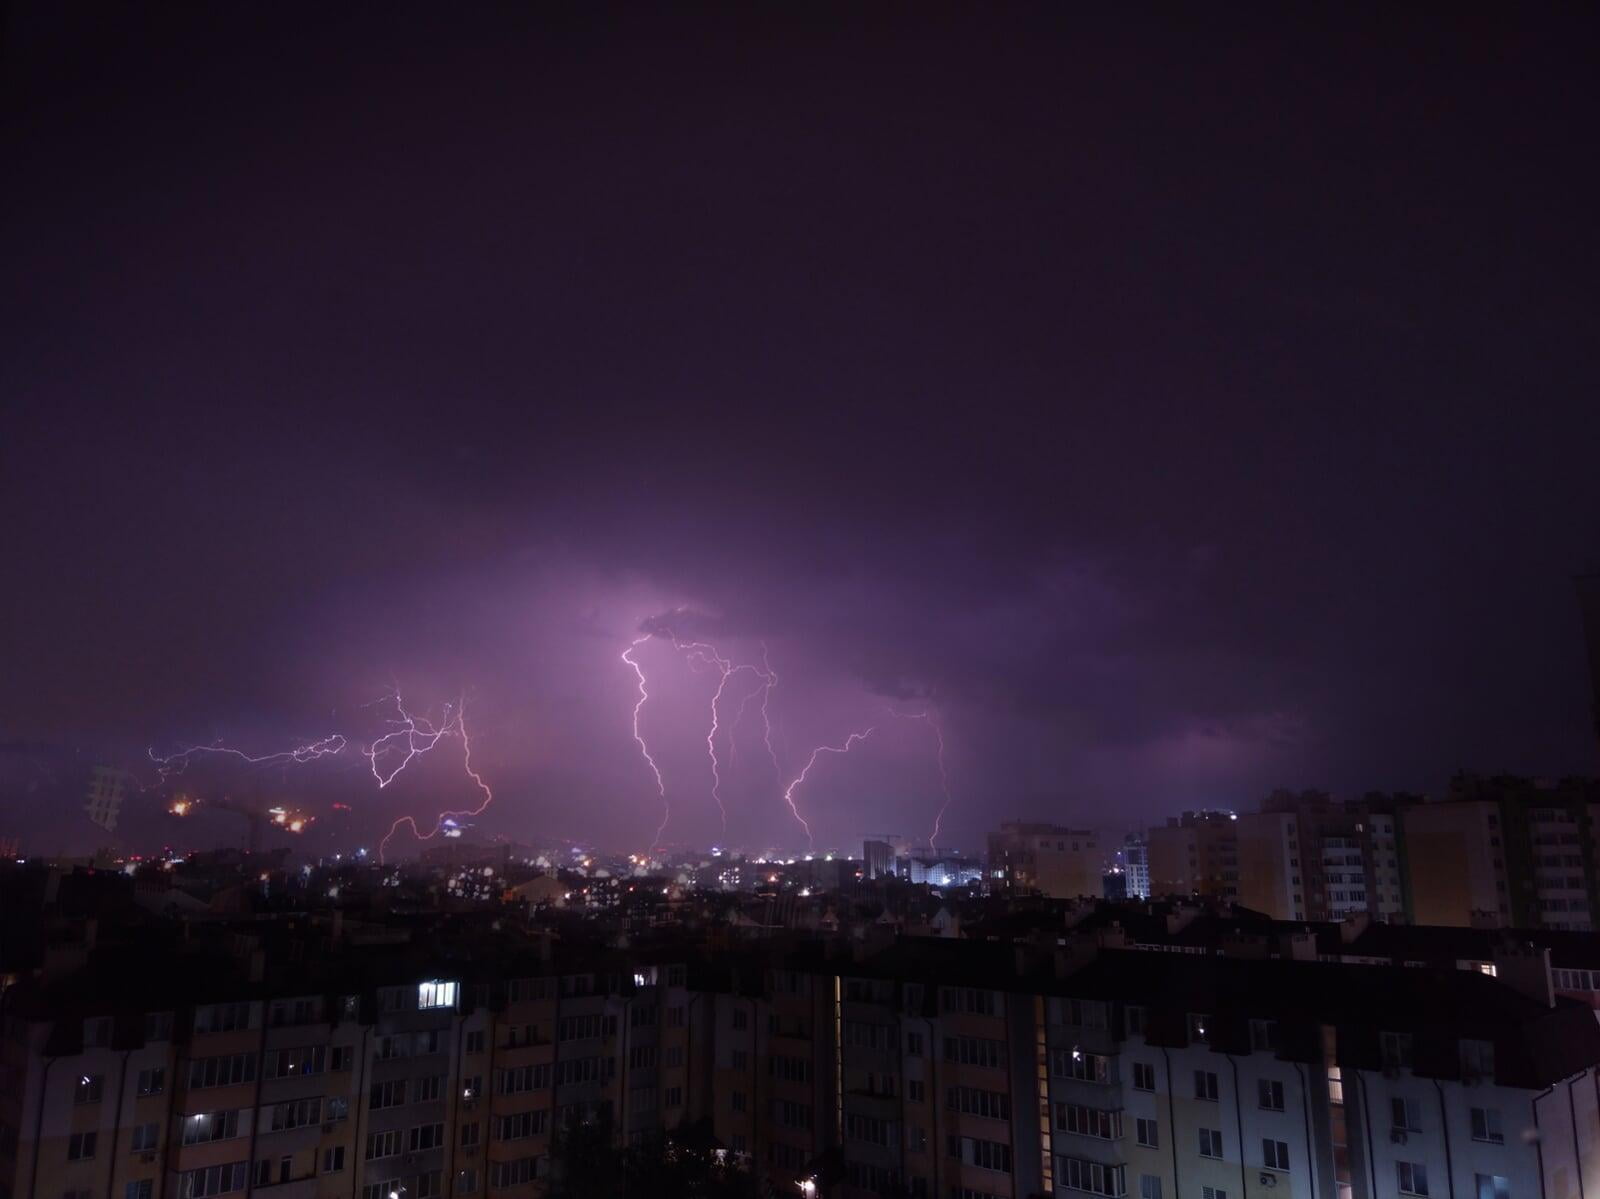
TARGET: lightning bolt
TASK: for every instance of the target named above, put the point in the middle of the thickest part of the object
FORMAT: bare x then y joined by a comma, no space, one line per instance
702,651
788,792
417,733
661,786
454,725
944,775
179,762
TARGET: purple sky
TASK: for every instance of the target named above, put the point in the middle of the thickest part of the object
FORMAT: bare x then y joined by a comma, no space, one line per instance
1179,407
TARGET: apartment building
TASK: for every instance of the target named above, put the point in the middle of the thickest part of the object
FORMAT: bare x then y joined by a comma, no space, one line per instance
1049,859
1196,853
1307,856
927,1067
1506,851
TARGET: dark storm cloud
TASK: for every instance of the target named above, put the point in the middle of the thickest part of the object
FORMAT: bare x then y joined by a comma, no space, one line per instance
1179,409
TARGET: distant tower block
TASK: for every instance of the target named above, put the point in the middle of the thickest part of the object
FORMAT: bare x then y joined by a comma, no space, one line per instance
103,802
1589,604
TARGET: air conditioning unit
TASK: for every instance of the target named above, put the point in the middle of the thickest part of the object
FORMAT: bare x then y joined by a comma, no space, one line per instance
1268,1180
1397,1136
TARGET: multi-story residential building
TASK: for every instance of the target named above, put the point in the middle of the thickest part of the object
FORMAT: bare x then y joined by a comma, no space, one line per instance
1196,853
1136,865
1505,850
1049,859
1307,856
928,1067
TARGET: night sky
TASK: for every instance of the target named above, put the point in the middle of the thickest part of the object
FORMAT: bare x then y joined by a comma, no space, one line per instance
1172,407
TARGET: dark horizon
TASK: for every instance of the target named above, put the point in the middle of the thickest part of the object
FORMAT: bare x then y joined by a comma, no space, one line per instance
1171,407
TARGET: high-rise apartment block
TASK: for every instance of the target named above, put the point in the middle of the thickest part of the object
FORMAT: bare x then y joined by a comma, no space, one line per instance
1049,859
1195,854
924,1067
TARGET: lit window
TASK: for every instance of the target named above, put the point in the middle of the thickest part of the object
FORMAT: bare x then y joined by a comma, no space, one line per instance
436,995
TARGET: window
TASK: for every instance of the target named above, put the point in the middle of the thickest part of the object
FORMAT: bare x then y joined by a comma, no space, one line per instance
1147,1133
985,1155
1263,1035
738,1100
1405,1114
578,1028
1213,1193
1395,1048
1097,1179
741,1019
1210,1142
344,1057
333,1160
967,999
97,1032
145,1188
789,1069
1269,1095
470,1134
152,1081
1492,1186
1412,1178
517,1079
995,1105
88,1088
1199,1028
475,1041
212,1180
976,1051
1275,1154
914,1044
204,1127
1149,1186
144,1138
514,1174
222,1017
674,1097
785,1112
1088,1121
80,1146
424,1137
158,1026
297,1113
467,1182
1486,1125
436,994
383,1144
428,1089
519,1126
1477,1060
1075,1063
1136,1018
870,1129
915,1093
1144,1076
296,1063
338,1108
222,1071
381,1190
386,1094
1205,1084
